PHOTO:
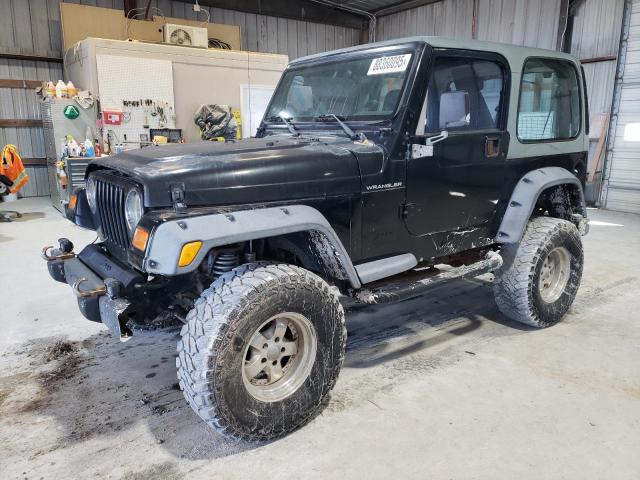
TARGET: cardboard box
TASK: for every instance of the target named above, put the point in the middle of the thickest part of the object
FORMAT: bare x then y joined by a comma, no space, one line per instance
84,21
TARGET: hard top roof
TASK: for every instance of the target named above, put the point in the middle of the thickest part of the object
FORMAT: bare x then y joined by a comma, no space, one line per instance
514,54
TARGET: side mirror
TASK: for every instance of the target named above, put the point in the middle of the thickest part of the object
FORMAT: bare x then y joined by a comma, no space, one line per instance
454,110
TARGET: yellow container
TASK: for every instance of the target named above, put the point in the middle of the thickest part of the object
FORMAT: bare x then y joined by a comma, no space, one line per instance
238,117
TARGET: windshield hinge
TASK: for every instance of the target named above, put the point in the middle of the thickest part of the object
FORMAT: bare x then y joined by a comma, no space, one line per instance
177,198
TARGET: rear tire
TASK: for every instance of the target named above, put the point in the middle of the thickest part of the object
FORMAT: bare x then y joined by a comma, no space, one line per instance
261,350
540,276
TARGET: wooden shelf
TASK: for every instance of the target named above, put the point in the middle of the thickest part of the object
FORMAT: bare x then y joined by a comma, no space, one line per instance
19,123
13,83
34,162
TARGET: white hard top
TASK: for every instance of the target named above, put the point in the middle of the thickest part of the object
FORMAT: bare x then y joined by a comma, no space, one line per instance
514,54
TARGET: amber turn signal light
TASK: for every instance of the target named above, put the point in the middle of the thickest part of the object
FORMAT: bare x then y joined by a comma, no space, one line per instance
140,238
189,252
72,201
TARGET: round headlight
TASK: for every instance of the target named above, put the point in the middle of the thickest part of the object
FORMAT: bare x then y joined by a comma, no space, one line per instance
133,209
91,194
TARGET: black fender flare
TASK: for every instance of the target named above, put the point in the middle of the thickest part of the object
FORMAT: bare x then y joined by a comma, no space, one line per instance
525,195
218,229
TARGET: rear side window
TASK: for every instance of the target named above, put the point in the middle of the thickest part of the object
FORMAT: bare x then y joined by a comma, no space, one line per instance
549,106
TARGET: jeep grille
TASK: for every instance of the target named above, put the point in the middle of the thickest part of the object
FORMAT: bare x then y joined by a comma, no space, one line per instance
110,197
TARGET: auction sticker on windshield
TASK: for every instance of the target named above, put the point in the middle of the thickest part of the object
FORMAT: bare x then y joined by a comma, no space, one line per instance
396,63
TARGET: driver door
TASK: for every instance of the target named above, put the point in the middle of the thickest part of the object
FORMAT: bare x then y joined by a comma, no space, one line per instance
455,183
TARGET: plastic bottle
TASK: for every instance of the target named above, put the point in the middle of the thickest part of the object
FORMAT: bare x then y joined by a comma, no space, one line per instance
88,143
72,147
72,91
61,89
88,148
65,151
97,148
51,90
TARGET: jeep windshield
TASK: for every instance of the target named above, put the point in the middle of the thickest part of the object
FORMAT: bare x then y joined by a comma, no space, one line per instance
355,89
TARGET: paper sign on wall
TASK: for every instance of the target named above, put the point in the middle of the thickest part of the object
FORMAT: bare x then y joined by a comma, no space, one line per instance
254,100
395,63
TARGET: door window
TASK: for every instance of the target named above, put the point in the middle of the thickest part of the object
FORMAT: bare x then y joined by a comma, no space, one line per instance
549,107
463,94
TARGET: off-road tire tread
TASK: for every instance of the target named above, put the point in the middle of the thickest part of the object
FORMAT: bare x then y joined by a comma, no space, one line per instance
211,320
513,282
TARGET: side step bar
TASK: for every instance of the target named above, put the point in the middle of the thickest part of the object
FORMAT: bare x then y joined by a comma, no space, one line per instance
403,291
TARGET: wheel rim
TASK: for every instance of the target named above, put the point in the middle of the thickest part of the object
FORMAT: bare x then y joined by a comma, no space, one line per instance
279,357
554,274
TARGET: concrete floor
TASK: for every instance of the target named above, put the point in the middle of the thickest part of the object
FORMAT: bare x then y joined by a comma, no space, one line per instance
441,387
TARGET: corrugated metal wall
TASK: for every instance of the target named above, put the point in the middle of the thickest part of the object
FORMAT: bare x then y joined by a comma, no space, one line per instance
521,22
449,18
596,33
524,22
33,27
27,27
622,177
533,23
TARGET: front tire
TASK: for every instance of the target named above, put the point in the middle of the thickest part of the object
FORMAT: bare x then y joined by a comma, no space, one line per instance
541,275
261,350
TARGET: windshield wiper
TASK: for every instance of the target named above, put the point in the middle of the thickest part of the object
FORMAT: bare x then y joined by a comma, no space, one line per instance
350,133
290,126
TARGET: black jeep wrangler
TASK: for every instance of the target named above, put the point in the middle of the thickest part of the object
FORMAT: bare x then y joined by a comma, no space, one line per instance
378,172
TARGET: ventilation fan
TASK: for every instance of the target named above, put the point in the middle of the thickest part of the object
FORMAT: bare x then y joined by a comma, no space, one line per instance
180,37
185,35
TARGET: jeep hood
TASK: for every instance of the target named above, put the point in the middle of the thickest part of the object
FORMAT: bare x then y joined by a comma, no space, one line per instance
249,171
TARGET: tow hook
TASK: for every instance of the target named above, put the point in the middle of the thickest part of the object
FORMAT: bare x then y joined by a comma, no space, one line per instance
87,293
63,252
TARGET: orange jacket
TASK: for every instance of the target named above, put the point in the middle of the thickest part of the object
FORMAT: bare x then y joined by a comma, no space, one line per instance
11,167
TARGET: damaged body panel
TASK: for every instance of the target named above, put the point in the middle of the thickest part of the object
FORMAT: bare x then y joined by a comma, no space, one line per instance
526,195
220,229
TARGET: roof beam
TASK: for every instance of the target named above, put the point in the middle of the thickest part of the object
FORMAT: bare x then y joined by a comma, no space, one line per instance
402,6
31,57
306,10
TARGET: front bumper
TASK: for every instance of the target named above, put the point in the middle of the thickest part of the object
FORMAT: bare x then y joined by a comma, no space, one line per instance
101,284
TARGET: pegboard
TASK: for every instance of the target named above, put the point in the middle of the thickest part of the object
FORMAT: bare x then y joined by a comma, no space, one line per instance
135,78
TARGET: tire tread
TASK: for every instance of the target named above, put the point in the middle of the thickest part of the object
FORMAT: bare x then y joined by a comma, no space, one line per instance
513,282
211,320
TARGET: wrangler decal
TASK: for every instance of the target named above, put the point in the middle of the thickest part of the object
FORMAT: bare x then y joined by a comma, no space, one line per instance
383,186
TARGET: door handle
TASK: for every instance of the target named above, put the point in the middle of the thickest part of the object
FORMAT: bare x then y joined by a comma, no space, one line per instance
492,147
443,135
